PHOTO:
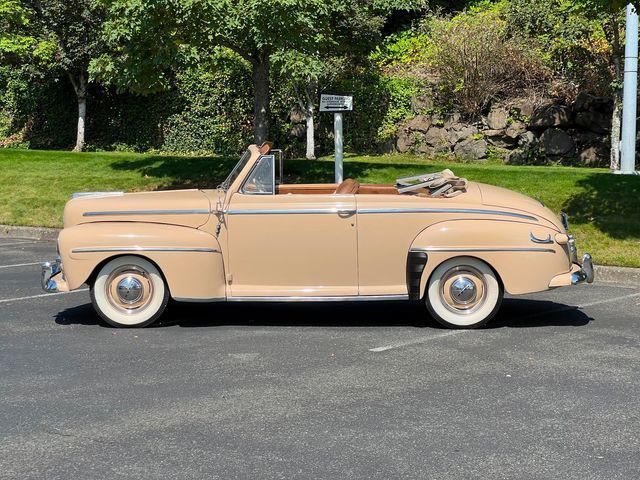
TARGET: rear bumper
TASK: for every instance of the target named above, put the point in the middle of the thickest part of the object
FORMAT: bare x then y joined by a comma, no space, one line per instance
580,273
585,272
52,277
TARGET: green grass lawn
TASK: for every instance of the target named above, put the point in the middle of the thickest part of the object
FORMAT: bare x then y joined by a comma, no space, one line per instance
604,209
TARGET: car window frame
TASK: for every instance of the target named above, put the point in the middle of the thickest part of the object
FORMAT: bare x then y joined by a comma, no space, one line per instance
272,158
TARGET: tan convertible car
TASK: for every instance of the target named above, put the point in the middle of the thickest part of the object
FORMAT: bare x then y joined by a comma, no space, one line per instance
456,245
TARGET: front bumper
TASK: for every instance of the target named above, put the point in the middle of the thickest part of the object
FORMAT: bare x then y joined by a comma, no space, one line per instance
52,277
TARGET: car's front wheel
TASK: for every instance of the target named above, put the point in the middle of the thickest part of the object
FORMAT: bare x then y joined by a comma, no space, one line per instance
129,291
463,292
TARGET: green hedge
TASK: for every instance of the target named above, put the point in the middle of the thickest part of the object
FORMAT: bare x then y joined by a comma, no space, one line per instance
208,110
205,111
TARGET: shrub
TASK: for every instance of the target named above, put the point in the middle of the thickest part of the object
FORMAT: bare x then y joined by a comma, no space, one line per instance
572,42
400,51
475,62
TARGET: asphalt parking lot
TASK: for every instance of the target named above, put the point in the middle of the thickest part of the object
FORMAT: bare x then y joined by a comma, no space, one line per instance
549,390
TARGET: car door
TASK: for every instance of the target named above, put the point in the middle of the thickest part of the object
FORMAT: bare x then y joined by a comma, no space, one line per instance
300,245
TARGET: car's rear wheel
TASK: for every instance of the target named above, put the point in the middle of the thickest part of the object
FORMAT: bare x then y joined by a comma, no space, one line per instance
129,291
463,292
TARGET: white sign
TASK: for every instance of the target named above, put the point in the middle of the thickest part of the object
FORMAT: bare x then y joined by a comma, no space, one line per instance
336,103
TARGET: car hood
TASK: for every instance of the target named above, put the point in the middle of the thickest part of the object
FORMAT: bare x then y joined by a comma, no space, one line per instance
189,208
502,197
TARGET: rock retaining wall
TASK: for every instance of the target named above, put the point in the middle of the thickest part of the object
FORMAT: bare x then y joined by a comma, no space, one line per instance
519,131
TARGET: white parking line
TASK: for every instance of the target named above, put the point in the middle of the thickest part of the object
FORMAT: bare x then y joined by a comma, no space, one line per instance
417,340
20,265
609,300
18,299
540,314
11,244
566,308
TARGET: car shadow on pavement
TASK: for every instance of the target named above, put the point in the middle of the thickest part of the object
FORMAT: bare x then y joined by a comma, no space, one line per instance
525,313
515,313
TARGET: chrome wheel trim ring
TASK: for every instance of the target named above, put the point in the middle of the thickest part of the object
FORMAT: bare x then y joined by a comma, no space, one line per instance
129,289
463,290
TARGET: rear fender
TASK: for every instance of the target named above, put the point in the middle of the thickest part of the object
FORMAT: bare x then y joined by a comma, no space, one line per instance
507,246
190,259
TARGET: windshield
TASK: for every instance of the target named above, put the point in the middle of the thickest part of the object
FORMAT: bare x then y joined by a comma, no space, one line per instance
236,171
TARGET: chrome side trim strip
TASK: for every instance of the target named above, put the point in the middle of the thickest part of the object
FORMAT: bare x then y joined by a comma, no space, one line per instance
351,298
367,211
146,212
96,194
200,300
310,211
482,249
535,239
143,249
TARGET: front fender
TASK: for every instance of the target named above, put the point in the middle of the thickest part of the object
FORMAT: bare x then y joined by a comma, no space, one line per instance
190,259
522,265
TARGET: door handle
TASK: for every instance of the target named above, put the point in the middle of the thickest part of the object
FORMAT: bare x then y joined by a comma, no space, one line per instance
346,212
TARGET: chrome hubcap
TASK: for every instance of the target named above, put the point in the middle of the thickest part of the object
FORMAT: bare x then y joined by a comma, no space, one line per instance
129,290
463,290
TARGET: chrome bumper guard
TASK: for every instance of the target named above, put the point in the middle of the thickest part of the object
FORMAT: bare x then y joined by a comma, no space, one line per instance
586,273
581,272
50,270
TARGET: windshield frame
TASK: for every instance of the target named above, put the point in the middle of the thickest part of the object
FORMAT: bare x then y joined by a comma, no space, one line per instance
235,172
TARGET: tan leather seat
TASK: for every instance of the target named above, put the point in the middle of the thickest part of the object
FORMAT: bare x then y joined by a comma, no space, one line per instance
348,187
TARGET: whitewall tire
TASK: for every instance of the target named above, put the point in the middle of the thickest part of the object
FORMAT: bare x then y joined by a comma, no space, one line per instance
129,291
463,292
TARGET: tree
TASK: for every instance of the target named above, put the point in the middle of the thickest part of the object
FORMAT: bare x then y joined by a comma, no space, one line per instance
18,42
75,27
305,73
352,36
151,37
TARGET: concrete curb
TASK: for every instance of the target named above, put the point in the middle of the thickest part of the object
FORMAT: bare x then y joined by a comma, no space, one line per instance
619,275
35,233
605,274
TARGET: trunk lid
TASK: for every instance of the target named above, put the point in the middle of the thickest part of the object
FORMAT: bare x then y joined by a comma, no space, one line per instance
501,197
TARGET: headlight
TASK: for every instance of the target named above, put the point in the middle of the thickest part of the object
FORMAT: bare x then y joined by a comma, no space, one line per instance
565,220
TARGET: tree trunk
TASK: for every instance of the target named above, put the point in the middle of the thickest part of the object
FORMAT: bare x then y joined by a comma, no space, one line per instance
311,142
261,99
80,87
616,127
82,117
